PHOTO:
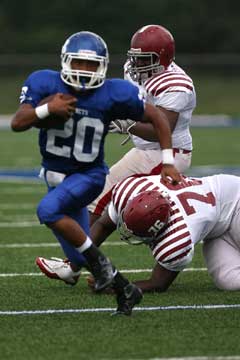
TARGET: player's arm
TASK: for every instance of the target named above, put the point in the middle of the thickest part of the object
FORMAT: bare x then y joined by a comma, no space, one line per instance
101,229
160,122
27,116
147,131
24,118
160,280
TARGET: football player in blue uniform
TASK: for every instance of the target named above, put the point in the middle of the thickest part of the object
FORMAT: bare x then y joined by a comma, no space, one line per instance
73,109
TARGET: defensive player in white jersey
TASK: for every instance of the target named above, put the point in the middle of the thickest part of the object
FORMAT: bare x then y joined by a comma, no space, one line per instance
150,66
172,220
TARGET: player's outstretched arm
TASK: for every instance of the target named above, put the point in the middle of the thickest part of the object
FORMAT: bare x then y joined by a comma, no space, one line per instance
160,280
101,229
147,131
160,122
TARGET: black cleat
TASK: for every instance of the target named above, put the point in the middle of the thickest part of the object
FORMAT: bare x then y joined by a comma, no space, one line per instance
131,296
103,273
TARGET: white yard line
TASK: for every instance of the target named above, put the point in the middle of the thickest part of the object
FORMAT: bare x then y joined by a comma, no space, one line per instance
125,271
20,179
19,224
16,206
29,189
55,244
99,310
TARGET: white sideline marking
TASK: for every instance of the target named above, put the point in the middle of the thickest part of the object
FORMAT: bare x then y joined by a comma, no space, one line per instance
18,274
24,190
55,244
19,224
17,206
15,246
143,308
20,179
126,271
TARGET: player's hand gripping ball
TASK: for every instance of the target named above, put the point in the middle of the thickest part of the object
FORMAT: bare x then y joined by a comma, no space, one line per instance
53,120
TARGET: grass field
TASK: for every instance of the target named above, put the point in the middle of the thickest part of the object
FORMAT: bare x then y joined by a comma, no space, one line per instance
44,319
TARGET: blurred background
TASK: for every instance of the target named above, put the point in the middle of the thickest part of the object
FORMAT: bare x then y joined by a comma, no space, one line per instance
206,34
207,47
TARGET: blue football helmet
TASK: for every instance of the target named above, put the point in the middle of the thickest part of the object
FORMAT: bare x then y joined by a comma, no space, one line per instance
84,45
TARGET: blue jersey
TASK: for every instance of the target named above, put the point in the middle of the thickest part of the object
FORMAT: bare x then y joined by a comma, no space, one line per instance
78,144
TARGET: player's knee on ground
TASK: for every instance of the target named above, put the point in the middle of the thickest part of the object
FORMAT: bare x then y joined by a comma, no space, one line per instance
227,279
49,211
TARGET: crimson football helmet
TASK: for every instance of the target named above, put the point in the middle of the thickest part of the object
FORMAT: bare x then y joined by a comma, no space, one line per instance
144,217
152,51
89,46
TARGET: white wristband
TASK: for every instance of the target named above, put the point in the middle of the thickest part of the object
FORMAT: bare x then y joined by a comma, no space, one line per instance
42,111
167,156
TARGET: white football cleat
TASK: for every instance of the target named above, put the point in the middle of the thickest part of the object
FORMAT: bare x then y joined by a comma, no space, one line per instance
59,269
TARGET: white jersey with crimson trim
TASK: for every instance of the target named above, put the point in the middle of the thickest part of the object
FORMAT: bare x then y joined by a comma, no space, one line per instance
202,208
173,90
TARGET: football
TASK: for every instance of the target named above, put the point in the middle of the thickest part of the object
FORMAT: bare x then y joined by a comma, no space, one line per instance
51,121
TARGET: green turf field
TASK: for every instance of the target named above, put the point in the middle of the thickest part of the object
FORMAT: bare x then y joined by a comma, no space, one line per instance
182,322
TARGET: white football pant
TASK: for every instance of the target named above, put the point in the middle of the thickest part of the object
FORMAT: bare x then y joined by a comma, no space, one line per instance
136,161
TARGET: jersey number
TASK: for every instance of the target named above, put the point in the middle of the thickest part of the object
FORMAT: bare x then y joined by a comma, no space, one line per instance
188,195
82,137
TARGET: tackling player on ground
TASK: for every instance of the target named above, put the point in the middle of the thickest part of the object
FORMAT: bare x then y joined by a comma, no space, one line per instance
175,220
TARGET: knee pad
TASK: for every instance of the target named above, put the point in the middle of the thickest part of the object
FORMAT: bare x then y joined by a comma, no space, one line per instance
227,280
48,211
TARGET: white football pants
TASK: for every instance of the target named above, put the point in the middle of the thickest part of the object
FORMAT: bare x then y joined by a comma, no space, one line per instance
136,161
222,256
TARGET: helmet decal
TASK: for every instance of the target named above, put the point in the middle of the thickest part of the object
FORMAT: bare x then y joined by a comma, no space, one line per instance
144,217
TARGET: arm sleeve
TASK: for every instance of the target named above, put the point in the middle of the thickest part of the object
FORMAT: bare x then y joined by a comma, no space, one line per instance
112,213
179,265
175,101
